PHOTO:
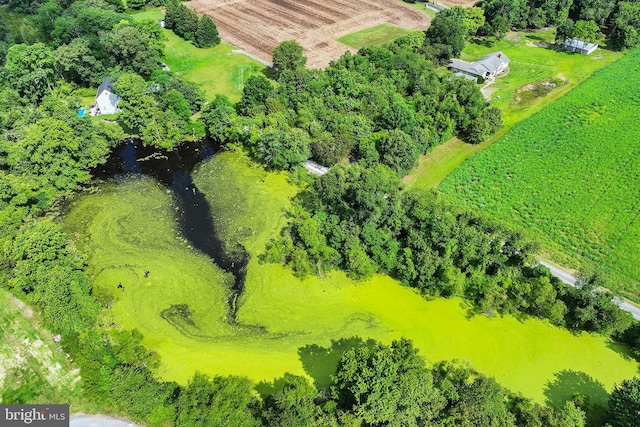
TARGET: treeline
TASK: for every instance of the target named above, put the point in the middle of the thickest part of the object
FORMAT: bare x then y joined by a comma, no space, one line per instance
29,7
618,20
82,42
384,105
185,23
358,219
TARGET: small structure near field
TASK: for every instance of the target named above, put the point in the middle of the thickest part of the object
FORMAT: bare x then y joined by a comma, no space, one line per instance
579,46
161,23
106,101
487,67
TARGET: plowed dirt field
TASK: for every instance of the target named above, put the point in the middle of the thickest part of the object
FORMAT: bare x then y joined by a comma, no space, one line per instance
258,26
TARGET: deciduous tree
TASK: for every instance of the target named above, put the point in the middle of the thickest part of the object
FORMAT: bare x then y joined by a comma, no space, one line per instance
288,56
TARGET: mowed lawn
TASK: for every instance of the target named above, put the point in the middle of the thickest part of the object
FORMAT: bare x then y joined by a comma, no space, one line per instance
374,36
570,175
530,62
289,325
216,70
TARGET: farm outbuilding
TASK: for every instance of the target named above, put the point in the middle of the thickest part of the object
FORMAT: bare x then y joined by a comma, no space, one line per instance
487,67
579,46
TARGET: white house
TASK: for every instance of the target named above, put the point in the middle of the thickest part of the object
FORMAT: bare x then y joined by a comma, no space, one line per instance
579,46
106,101
487,67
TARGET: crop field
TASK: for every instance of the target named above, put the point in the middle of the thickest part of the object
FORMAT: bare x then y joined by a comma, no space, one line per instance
259,26
569,175
531,61
285,324
31,368
217,70
374,36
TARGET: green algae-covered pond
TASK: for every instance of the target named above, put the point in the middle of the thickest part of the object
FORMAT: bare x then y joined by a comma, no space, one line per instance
193,313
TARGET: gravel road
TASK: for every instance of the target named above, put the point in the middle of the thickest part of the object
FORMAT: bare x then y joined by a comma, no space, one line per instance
83,420
571,280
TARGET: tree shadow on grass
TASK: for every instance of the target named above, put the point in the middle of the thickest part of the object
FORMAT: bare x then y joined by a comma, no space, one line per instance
269,73
484,41
535,37
320,362
622,349
587,392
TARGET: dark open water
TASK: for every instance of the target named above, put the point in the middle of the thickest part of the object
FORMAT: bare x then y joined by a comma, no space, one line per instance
173,169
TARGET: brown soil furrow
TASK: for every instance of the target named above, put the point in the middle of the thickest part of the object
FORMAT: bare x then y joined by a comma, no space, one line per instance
290,17
322,15
260,25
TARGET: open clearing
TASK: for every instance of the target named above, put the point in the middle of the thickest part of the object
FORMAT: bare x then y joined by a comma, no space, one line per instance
569,175
260,25
289,325
217,70
31,368
375,36
529,63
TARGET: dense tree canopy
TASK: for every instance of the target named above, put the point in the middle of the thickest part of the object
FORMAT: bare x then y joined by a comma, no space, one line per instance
624,405
616,19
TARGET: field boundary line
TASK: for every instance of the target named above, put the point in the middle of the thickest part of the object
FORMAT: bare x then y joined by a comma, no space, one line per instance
252,56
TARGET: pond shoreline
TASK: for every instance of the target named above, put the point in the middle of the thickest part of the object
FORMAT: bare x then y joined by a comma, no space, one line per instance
173,169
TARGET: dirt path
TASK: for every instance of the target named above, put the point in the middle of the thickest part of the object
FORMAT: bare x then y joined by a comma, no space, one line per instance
260,25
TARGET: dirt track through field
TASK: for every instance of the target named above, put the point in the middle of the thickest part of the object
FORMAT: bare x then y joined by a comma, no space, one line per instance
260,25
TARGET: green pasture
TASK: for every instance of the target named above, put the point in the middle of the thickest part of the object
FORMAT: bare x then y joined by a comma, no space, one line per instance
530,62
31,368
216,70
374,36
289,325
569,175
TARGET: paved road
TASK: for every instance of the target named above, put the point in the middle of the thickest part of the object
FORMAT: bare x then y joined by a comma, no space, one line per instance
571,280
315,168
82,420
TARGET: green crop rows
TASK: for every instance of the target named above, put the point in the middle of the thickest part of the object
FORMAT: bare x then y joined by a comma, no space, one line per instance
570,174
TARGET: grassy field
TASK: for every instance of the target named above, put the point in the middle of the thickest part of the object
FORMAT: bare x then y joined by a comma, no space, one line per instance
217,70
31,368
569,174
530,62
374,36
288,325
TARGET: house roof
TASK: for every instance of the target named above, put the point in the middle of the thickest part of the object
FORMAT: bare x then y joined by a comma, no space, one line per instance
579,44
105,85
106,99
488,63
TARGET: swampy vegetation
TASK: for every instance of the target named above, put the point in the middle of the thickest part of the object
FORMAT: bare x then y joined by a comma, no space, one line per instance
188,313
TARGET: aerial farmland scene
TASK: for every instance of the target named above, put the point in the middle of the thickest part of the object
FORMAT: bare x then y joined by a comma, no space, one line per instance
303,213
